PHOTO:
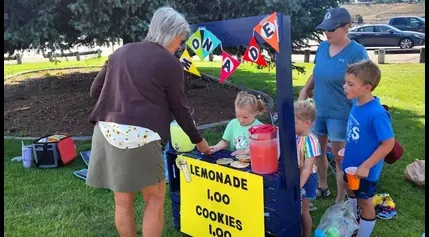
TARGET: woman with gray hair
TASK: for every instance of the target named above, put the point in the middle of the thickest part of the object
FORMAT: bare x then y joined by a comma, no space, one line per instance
137,90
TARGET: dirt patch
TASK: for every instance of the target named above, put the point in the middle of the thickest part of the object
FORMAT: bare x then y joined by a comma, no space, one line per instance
58,102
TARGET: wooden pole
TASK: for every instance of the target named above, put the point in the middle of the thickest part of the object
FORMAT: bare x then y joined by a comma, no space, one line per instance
306,56
381,56
18,58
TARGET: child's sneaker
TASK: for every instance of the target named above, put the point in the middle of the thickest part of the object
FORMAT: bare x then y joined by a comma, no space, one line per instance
323,192
387,213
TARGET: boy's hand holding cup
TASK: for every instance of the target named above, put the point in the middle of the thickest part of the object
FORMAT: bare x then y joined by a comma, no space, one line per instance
362,171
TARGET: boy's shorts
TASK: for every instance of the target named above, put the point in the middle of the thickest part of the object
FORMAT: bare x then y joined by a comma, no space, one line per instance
310,187
334,129
367,189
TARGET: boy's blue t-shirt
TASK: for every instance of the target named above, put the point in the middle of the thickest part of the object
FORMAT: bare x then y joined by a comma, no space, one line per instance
368,125
329,73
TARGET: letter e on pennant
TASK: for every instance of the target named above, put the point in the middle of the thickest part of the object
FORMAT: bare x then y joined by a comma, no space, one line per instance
268,30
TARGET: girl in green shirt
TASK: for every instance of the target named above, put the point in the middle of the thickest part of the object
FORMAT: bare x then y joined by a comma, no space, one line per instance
236,135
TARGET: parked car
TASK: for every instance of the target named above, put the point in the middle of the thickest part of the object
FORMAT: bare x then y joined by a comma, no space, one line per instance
382,35
408,23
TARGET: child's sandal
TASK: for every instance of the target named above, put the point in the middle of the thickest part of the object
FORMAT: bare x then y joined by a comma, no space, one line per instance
323,192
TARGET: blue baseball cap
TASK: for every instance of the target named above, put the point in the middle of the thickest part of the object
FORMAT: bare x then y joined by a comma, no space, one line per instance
334,18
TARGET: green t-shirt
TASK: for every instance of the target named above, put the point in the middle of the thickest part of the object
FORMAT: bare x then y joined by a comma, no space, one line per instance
237,135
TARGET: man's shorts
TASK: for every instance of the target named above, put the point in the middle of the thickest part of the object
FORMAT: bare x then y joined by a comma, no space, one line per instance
310,187
334,129
367,189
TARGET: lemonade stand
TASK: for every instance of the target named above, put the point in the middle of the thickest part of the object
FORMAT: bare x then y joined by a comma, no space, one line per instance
209,199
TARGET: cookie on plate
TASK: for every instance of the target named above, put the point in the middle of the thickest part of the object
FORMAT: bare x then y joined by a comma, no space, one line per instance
239,164
224,161
244,159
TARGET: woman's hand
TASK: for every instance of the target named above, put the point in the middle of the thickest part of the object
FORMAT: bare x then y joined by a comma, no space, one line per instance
203,147
309,86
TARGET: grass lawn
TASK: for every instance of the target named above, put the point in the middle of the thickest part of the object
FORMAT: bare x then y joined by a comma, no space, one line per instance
11,69
55,203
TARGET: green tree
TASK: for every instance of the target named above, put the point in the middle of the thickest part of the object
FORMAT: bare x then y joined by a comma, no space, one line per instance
60,24
38,24
305,16
106,20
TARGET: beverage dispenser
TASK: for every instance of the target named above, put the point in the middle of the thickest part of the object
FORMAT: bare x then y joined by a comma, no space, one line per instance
264,148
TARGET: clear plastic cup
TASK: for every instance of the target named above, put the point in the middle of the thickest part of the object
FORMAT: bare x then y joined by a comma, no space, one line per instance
341,152
27,151
183,166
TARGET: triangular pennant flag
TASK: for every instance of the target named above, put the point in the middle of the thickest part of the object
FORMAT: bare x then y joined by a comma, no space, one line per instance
210,42
269,31
194,43
229,65
187,63
253,53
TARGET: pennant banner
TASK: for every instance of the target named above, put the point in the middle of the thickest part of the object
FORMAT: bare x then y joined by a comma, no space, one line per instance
253,54
229,65
268,30
210,42
187,63
194,43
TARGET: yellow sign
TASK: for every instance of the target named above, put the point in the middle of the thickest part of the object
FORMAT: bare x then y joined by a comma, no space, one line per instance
218,201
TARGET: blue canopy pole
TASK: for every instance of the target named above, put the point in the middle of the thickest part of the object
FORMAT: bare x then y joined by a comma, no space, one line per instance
286,120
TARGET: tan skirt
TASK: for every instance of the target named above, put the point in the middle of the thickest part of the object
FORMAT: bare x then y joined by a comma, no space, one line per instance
124,170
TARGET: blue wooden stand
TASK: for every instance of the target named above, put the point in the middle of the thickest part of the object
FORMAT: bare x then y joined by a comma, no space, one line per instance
281,190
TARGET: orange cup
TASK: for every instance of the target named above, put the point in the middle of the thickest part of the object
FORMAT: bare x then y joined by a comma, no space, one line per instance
352,181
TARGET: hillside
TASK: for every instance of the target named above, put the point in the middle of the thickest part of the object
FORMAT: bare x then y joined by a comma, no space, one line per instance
380,13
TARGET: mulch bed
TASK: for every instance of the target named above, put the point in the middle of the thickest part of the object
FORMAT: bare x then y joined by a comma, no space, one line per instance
49,102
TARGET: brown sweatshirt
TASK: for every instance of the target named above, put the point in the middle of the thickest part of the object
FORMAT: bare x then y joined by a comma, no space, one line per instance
142,84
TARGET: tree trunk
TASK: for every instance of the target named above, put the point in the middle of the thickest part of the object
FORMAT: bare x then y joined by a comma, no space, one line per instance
126,39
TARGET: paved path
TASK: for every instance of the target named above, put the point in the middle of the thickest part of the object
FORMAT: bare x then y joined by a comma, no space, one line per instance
388,58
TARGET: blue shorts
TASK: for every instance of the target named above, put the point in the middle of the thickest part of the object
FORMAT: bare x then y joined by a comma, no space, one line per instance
367,189
310,187
334,129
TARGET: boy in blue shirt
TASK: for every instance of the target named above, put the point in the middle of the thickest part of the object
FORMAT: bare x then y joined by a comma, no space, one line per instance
369,139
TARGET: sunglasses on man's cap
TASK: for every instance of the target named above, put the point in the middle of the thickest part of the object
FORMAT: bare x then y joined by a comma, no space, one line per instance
339,26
